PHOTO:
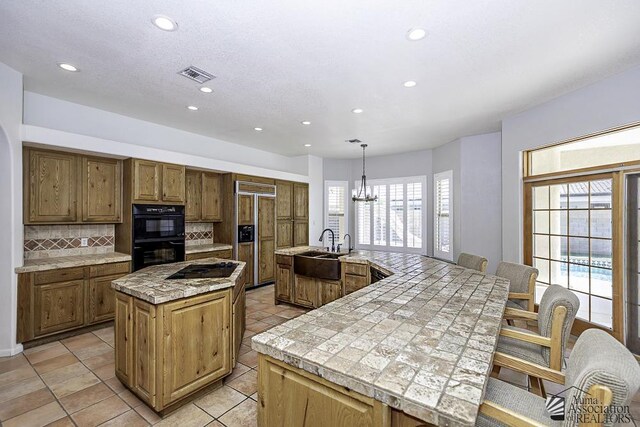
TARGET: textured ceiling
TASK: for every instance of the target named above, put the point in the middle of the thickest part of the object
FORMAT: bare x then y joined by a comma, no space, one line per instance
280,62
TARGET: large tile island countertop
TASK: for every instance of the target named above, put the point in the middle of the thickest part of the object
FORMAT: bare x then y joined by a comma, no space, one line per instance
420,341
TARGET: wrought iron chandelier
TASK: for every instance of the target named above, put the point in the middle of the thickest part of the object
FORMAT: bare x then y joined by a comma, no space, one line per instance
363,194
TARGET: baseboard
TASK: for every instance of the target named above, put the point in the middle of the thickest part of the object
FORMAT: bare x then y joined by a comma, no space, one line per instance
6,352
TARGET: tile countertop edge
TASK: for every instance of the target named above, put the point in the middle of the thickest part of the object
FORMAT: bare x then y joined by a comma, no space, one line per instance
151,285
55,263
266,343
211,247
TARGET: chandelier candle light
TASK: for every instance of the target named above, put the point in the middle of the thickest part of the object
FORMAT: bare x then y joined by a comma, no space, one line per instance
364,193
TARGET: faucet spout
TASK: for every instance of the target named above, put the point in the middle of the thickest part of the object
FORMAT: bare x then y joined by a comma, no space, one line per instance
349,247
333,238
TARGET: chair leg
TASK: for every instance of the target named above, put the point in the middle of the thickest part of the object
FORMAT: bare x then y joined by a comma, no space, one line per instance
510,322
495,372
536,386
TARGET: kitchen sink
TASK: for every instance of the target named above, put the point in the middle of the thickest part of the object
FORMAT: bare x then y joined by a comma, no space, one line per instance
318,264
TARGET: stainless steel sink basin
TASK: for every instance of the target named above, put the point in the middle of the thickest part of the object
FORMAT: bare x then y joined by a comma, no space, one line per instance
318,264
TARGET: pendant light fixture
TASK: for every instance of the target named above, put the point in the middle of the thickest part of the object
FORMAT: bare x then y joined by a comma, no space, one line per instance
364,194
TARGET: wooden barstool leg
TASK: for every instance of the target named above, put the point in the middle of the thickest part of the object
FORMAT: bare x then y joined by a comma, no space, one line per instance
495,372
536,386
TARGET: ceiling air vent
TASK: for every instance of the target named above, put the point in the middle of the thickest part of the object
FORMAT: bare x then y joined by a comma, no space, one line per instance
196,74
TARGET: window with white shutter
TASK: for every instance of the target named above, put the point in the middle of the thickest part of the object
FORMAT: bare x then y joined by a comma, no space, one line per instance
336,214
396,220
443,215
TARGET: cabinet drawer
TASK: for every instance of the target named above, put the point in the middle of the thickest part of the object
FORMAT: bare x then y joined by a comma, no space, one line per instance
357,269
224,254
284,260
61,275
109,269
353,283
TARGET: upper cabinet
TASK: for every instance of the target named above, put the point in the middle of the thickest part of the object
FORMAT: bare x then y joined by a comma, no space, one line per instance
300,201
68,188
203,201
155,182
284,194
101,189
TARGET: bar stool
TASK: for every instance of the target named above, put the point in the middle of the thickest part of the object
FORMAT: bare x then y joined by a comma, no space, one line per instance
523,284
474,262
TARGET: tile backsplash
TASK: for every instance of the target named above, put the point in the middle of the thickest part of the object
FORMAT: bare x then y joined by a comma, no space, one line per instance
49,241
199,233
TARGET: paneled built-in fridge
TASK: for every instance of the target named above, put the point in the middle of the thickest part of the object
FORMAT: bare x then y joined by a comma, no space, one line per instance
255,241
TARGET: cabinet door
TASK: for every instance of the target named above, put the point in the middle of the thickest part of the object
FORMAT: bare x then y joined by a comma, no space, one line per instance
123,337
101,190
245,253
284,233
58,306
304,291
300,201
146,181
352,283
102,299
211,200
245,209
51,187
143,377
328,290
284,199
300,233
173,183
193,202
193,363
283,282
266,239
239,322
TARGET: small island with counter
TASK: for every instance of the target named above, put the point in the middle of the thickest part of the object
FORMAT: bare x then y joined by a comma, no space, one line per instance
178,329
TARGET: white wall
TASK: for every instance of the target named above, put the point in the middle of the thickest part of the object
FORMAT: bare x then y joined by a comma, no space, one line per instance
51,113
316,195
481,197
11,206
608,103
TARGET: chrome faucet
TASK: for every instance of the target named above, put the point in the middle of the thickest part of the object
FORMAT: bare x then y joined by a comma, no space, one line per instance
333,238
349,247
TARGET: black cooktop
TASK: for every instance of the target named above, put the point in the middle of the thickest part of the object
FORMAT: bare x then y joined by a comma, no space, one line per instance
205,271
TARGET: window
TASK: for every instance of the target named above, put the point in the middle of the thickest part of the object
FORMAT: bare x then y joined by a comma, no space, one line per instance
336,215
443,215
396,221
572,242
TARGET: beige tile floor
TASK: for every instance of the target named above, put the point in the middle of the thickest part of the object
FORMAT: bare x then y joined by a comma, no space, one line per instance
72,382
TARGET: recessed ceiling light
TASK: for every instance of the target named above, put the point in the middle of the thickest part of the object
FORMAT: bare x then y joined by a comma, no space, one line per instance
306,122
206,89
164,23
357,110
192,107
416,34
258,129
409,83
307,145
67,67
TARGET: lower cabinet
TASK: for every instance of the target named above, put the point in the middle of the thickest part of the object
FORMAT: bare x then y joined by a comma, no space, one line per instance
61,300
167,352
288,396
239,322
304,291
58,307
328,290
284,280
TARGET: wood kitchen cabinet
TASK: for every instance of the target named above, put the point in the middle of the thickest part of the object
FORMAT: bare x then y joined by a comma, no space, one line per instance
203,201
101,189
354,276
284,279
61,300
239,321
292,214
305,291
67,188
50,191
154,182
157,355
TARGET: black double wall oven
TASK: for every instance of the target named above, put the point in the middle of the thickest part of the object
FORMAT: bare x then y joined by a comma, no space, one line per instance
158,235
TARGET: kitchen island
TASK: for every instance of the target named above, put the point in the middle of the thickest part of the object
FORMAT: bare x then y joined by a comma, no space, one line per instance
178,329
411,349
